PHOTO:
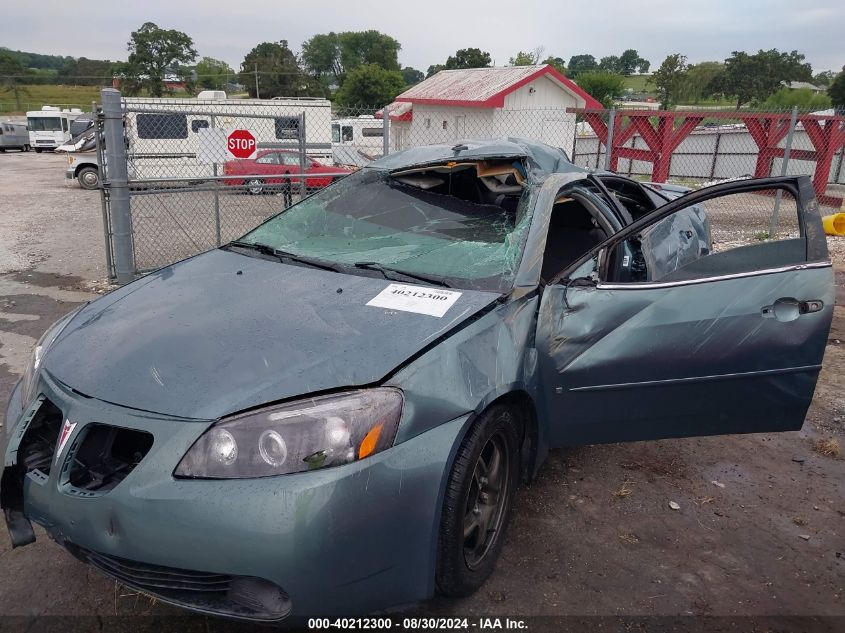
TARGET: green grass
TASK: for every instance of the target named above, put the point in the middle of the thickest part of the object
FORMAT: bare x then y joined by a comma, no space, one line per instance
56,95
637,83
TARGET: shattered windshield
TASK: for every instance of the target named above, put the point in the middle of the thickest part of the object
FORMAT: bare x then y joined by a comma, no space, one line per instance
449,223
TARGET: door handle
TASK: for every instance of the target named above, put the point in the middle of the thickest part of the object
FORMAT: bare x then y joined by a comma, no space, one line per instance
788,308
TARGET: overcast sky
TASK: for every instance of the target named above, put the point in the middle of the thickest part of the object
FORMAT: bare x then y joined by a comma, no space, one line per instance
431,30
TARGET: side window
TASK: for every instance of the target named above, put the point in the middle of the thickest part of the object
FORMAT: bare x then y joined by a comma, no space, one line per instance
268,159
373,131
64,125
198,124
732,233
335,133
287,127
162,126
290,159
347,133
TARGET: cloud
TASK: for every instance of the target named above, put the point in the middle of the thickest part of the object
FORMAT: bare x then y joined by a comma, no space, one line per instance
430,31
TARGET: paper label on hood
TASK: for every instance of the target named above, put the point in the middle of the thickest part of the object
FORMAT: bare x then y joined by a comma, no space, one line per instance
419,299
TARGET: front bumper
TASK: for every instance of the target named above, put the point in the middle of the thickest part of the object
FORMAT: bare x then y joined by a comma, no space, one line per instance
69,173
344,540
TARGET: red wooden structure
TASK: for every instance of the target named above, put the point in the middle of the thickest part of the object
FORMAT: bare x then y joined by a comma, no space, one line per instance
663,131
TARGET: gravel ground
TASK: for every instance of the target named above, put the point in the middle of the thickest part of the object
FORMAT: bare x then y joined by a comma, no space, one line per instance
760,529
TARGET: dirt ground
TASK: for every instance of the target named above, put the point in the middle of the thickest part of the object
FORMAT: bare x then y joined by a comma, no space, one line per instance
760,530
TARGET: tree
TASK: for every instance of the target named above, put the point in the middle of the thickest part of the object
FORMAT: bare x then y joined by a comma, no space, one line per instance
463,58
412,76
696,83
824,78
668,78
13,76
602,85
580,64
85,72
527,59
154,51
279,74
557,63
804,98
755,77
434,69
370,85
336,54
468,58
836,92
611,64
631,62
213,74
522,59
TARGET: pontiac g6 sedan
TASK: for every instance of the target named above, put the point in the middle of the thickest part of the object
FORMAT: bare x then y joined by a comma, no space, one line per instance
332,414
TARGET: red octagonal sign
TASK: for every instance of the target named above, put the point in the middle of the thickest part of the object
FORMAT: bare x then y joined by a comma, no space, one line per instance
241,144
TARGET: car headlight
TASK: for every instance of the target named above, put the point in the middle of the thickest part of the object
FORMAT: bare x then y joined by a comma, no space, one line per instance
29,382
297,436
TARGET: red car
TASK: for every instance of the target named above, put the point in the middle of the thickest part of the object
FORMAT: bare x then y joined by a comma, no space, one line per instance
259,171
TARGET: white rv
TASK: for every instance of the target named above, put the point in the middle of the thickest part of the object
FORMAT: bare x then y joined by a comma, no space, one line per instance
358,140
50,126
163,134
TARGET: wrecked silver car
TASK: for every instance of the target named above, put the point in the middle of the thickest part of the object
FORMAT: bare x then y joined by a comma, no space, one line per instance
332,414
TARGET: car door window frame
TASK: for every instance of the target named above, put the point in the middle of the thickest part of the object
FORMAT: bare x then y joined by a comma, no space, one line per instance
815,245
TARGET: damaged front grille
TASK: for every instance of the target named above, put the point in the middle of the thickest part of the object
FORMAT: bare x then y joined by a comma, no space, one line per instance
233,596
105,455
35,453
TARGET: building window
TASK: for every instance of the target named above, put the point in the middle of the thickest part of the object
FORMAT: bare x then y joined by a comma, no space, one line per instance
160,126
287,127
198,124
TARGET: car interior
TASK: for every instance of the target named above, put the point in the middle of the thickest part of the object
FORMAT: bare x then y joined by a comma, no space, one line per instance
579,218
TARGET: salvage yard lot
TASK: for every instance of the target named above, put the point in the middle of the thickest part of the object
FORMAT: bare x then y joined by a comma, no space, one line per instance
759,529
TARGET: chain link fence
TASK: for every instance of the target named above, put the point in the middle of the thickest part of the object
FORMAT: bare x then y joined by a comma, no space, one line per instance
202,173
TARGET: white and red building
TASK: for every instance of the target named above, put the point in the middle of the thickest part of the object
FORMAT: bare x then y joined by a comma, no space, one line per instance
479,103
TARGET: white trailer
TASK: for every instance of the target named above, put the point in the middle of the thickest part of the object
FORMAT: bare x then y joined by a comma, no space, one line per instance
357,140
163,134
13,136
50,126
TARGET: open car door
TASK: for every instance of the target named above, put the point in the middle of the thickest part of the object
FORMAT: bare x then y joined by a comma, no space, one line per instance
708,315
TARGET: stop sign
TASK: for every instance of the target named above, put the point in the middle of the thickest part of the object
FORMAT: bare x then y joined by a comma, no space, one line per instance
241,143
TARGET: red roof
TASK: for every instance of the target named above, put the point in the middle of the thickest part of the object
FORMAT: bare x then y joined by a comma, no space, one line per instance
487,87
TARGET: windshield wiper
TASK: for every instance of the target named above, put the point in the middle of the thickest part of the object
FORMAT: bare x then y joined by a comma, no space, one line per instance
266,249
387,272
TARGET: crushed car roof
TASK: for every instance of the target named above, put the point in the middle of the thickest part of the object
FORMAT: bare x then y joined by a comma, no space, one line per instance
541,158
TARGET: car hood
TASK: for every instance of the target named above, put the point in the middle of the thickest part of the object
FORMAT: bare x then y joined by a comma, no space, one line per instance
223,332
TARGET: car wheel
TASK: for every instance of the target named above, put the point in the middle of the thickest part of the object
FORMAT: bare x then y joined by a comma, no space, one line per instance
37,150
88,178
26,148
254,186
477,503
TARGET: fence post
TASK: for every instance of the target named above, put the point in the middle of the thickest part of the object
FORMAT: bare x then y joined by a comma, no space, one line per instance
303,182
385,121
101,170
217,234
118,185
787,150
608,148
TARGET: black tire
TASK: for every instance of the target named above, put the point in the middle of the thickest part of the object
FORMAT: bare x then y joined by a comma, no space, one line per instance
2,150
38,150
88,178
471,534
255,186
26,148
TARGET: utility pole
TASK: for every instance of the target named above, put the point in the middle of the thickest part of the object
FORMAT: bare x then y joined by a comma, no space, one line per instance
257,96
